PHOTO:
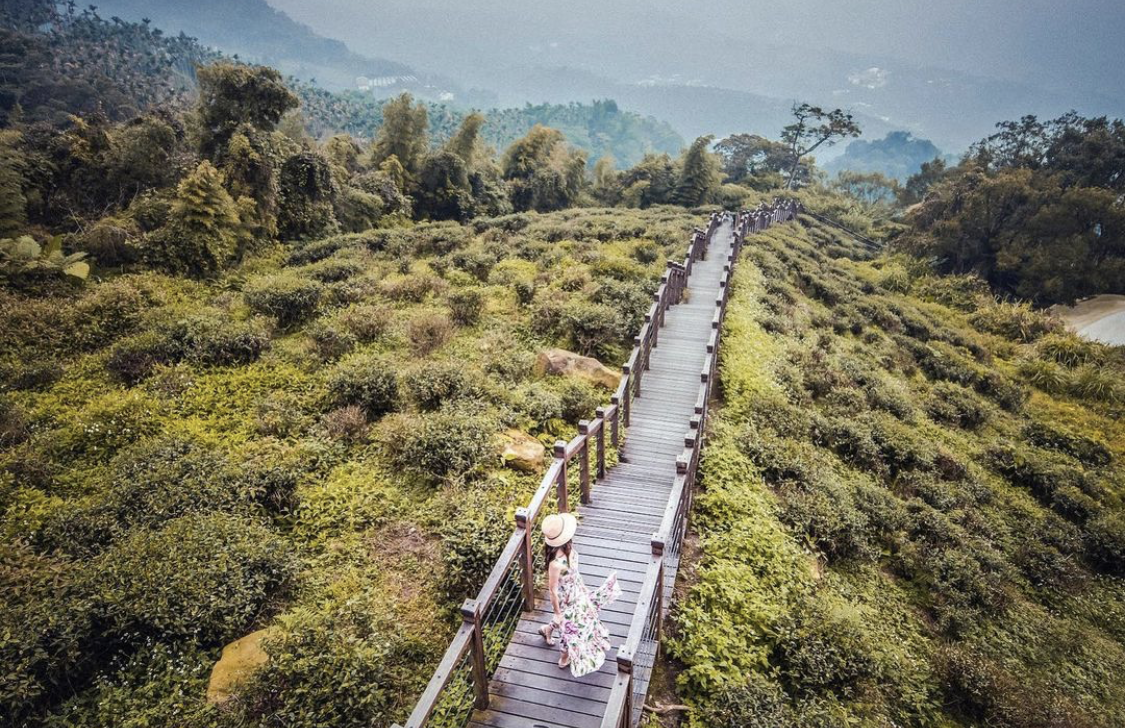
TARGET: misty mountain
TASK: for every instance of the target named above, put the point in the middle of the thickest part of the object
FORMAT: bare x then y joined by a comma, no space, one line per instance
924,69
259,33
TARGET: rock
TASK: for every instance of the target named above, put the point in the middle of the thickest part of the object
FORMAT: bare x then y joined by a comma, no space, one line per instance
239,659
522,452
568,364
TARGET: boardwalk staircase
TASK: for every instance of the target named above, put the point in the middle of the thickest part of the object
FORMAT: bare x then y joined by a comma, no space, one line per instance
497,672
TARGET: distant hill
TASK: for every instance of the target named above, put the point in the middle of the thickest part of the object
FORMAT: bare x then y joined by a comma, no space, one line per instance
898,155
599,128
257,32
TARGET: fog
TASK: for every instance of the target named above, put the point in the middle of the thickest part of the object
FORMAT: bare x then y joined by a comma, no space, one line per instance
946,69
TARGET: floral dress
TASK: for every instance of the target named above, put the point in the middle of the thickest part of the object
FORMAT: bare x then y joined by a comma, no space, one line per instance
584,638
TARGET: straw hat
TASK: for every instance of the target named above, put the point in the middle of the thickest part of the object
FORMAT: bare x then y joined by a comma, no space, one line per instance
558,528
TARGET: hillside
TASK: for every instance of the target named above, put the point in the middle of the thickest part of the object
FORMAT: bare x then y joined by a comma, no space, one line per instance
600,128
310,442
259,33
912,510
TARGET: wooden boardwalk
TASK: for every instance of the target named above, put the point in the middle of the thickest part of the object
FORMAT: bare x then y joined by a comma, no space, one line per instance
528,689
497,671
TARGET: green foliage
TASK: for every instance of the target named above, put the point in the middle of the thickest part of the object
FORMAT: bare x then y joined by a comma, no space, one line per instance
201,237
1032,210
544,173
466,306
445,445
231,95
403,135
288,298
365,380
699,175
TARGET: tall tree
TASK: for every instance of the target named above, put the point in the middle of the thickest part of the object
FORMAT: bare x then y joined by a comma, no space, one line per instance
201,237
746,156
403,135
231,95
544,172
812,128
699,174
13,202
466,142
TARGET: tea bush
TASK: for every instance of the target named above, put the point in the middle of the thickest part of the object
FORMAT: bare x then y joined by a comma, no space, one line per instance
365,380
288,298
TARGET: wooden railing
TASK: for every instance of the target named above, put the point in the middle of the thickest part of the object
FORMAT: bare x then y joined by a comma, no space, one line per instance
636,658
459,685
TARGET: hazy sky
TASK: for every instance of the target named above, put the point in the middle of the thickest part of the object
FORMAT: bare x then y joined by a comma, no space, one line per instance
1045,42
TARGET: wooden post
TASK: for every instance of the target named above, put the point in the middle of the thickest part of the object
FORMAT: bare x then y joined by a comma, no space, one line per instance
527,563
560,455
626,370
470,612
600,442
616,417
584,461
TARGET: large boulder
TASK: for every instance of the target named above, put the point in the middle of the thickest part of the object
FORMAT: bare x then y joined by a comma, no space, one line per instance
522,452
568,364
239,659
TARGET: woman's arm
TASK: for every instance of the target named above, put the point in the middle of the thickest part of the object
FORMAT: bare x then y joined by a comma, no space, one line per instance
553,587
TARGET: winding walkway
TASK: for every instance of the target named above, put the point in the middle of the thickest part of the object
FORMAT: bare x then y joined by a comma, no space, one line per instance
528,689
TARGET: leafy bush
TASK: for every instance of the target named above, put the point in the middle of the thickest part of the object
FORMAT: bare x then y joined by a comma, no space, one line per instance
429,332
1088,450
1105,536
440,445
1016,321
346,423
471,543
206,576
759,702
365,380
432,384
206,338
1069,350
412,288
367,322
594,327
287,297
466,306
954,405
331,341
826,649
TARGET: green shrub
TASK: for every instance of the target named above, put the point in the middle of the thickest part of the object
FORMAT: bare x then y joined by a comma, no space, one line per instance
432,384
1087,450
367,322
476,263
429,332
759,702
955,405
594,327
577,401
466,306
824,649
412,288
646,252
1069,350
331,341
471,543
1105,539
136,357
346,423
350,659
199,576
365,380
205,338
440,445
829,519
1016,321
288,298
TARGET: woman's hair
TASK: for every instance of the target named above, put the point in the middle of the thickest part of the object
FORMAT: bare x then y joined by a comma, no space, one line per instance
553,551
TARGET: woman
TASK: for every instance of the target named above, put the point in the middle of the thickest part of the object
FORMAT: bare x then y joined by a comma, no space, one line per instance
584,639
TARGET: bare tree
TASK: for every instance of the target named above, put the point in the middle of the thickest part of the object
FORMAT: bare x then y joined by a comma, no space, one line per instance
814,127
